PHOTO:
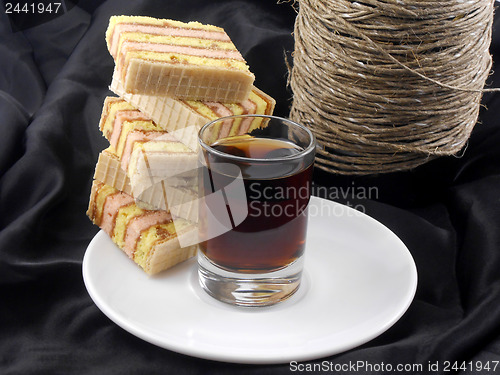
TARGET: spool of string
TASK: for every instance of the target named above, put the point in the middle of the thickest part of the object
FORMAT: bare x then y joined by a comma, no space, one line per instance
387,85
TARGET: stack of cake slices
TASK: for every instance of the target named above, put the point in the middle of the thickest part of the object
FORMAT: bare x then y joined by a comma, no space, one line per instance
170,79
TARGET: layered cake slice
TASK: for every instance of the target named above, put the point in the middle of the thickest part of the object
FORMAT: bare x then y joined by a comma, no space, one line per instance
151,238
143,148
184,118
183,60
179,196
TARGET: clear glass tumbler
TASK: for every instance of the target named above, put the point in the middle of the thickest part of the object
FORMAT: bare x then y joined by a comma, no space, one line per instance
254,190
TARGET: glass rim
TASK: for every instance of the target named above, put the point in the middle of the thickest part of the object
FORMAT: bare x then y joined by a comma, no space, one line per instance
310,147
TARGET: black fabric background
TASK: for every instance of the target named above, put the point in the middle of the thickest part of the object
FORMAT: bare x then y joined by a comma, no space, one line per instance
54,75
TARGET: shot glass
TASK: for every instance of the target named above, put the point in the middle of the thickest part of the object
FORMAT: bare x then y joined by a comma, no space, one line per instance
254,190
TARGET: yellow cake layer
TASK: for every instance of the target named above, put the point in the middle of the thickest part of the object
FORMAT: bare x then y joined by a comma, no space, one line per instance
201,108
129,126
156,235
123,217
263,103
103,193
157,246
145,20
151,237
111,106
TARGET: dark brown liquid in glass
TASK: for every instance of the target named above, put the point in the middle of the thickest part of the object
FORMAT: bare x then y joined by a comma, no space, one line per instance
273,233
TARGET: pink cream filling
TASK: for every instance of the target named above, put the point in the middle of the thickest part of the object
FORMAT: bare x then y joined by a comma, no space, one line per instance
140,223
248,107
110,210
221,110
121,116
167,31
129,46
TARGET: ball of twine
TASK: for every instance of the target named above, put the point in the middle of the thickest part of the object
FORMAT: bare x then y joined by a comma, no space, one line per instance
387,85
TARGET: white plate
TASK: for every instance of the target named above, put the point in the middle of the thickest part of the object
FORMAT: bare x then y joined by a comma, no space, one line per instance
359,279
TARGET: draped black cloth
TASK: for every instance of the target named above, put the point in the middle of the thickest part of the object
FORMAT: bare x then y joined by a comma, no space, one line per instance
54,75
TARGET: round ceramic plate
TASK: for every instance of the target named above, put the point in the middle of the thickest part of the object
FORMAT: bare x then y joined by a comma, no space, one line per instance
359,279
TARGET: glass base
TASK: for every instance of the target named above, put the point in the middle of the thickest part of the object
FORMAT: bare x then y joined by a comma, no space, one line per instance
249,289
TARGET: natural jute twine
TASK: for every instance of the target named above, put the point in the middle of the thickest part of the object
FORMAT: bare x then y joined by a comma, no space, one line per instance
386,85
